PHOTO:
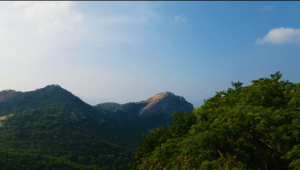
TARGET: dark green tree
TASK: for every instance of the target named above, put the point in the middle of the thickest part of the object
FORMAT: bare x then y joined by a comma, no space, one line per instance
252,127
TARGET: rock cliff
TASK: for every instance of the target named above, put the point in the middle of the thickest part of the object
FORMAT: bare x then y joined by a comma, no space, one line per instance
166,103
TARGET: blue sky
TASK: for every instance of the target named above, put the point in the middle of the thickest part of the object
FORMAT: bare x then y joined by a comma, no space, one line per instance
128,51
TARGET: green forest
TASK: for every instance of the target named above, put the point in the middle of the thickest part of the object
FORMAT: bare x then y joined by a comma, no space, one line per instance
254,127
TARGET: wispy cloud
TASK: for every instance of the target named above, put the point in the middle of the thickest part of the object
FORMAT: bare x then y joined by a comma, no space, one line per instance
38,40
281,36
28,27
269,7
179,18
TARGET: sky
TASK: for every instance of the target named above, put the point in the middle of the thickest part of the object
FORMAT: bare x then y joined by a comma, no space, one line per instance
128,51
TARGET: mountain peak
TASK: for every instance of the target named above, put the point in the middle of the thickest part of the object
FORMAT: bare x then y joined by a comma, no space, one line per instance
50,93
161,96
166,102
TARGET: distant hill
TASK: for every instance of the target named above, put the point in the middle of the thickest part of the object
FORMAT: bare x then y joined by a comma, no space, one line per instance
164,103
108,106
49,93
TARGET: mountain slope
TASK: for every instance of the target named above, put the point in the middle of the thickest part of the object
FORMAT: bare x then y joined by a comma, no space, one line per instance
56,129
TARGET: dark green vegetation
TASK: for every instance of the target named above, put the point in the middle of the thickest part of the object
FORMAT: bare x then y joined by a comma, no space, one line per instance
59,131
64,132
252,127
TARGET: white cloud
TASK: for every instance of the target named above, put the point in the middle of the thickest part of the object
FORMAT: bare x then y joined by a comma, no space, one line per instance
269,7
179,18
37,39
28,28
280,36
48,17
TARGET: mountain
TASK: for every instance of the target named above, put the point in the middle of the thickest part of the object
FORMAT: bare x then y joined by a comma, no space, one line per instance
49,93
19,101
162,102
57,124
166,102
54,122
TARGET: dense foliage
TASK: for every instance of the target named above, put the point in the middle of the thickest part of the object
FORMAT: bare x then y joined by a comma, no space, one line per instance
252,127
35,160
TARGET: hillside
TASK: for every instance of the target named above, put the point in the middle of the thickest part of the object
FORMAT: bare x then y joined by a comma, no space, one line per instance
52,117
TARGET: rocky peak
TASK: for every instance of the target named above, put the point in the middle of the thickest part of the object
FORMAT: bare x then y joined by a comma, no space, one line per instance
166,102
162,96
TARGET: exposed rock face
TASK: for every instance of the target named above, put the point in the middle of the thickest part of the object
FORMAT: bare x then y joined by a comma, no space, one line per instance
166,103
7,95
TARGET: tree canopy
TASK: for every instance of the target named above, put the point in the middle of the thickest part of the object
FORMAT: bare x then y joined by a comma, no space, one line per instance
252,127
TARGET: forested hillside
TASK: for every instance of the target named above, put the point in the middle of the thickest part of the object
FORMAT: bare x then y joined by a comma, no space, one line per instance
49,93
54,122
